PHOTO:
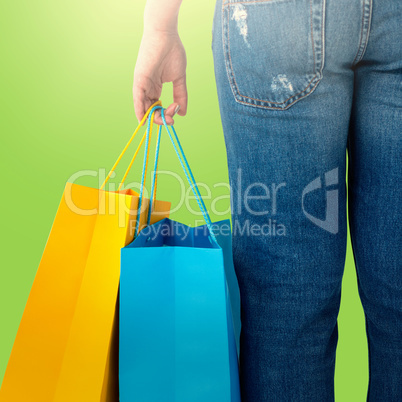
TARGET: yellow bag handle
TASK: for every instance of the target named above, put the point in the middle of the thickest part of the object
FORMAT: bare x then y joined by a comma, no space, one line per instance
157,103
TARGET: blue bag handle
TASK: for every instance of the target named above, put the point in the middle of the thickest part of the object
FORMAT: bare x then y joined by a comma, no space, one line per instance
144,168
186,168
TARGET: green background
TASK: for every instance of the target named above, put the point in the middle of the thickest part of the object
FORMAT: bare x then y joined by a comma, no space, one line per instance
66,78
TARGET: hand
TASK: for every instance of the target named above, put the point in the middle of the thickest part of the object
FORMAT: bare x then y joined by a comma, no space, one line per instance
161,59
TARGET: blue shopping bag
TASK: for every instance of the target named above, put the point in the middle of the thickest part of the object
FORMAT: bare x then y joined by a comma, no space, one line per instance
177,333
223,236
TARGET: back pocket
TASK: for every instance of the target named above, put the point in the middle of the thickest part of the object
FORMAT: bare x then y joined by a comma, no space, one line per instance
274,50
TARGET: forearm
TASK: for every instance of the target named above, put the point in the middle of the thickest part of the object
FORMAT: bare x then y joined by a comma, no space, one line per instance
161,16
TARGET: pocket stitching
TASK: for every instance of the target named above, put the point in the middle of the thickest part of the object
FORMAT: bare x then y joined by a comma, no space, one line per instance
230,71
277,107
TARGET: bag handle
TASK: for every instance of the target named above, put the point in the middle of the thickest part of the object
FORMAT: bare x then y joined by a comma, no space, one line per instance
146,135
155,174
187,171
152,111
189,174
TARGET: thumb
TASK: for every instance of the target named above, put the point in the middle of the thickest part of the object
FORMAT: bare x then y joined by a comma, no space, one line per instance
180,95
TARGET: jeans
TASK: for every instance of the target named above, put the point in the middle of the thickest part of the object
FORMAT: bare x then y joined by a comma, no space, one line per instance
301,85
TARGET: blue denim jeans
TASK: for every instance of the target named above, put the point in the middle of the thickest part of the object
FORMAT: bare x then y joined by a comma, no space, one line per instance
302,84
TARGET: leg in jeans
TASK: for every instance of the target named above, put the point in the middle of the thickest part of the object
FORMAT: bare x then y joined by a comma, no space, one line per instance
375,176
285,79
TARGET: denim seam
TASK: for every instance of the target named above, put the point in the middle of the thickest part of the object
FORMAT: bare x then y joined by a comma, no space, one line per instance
324,4
312,32
243,99
364,32
224,50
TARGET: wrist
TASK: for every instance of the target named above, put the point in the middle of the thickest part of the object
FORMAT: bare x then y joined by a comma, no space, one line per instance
160,31
161,17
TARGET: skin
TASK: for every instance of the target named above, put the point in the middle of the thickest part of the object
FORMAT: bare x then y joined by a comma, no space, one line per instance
161,58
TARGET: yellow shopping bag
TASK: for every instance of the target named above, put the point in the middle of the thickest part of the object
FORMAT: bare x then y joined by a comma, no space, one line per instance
66,346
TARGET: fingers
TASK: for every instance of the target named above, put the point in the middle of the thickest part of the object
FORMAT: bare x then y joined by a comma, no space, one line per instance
142,107
179,106
142,102
169,113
